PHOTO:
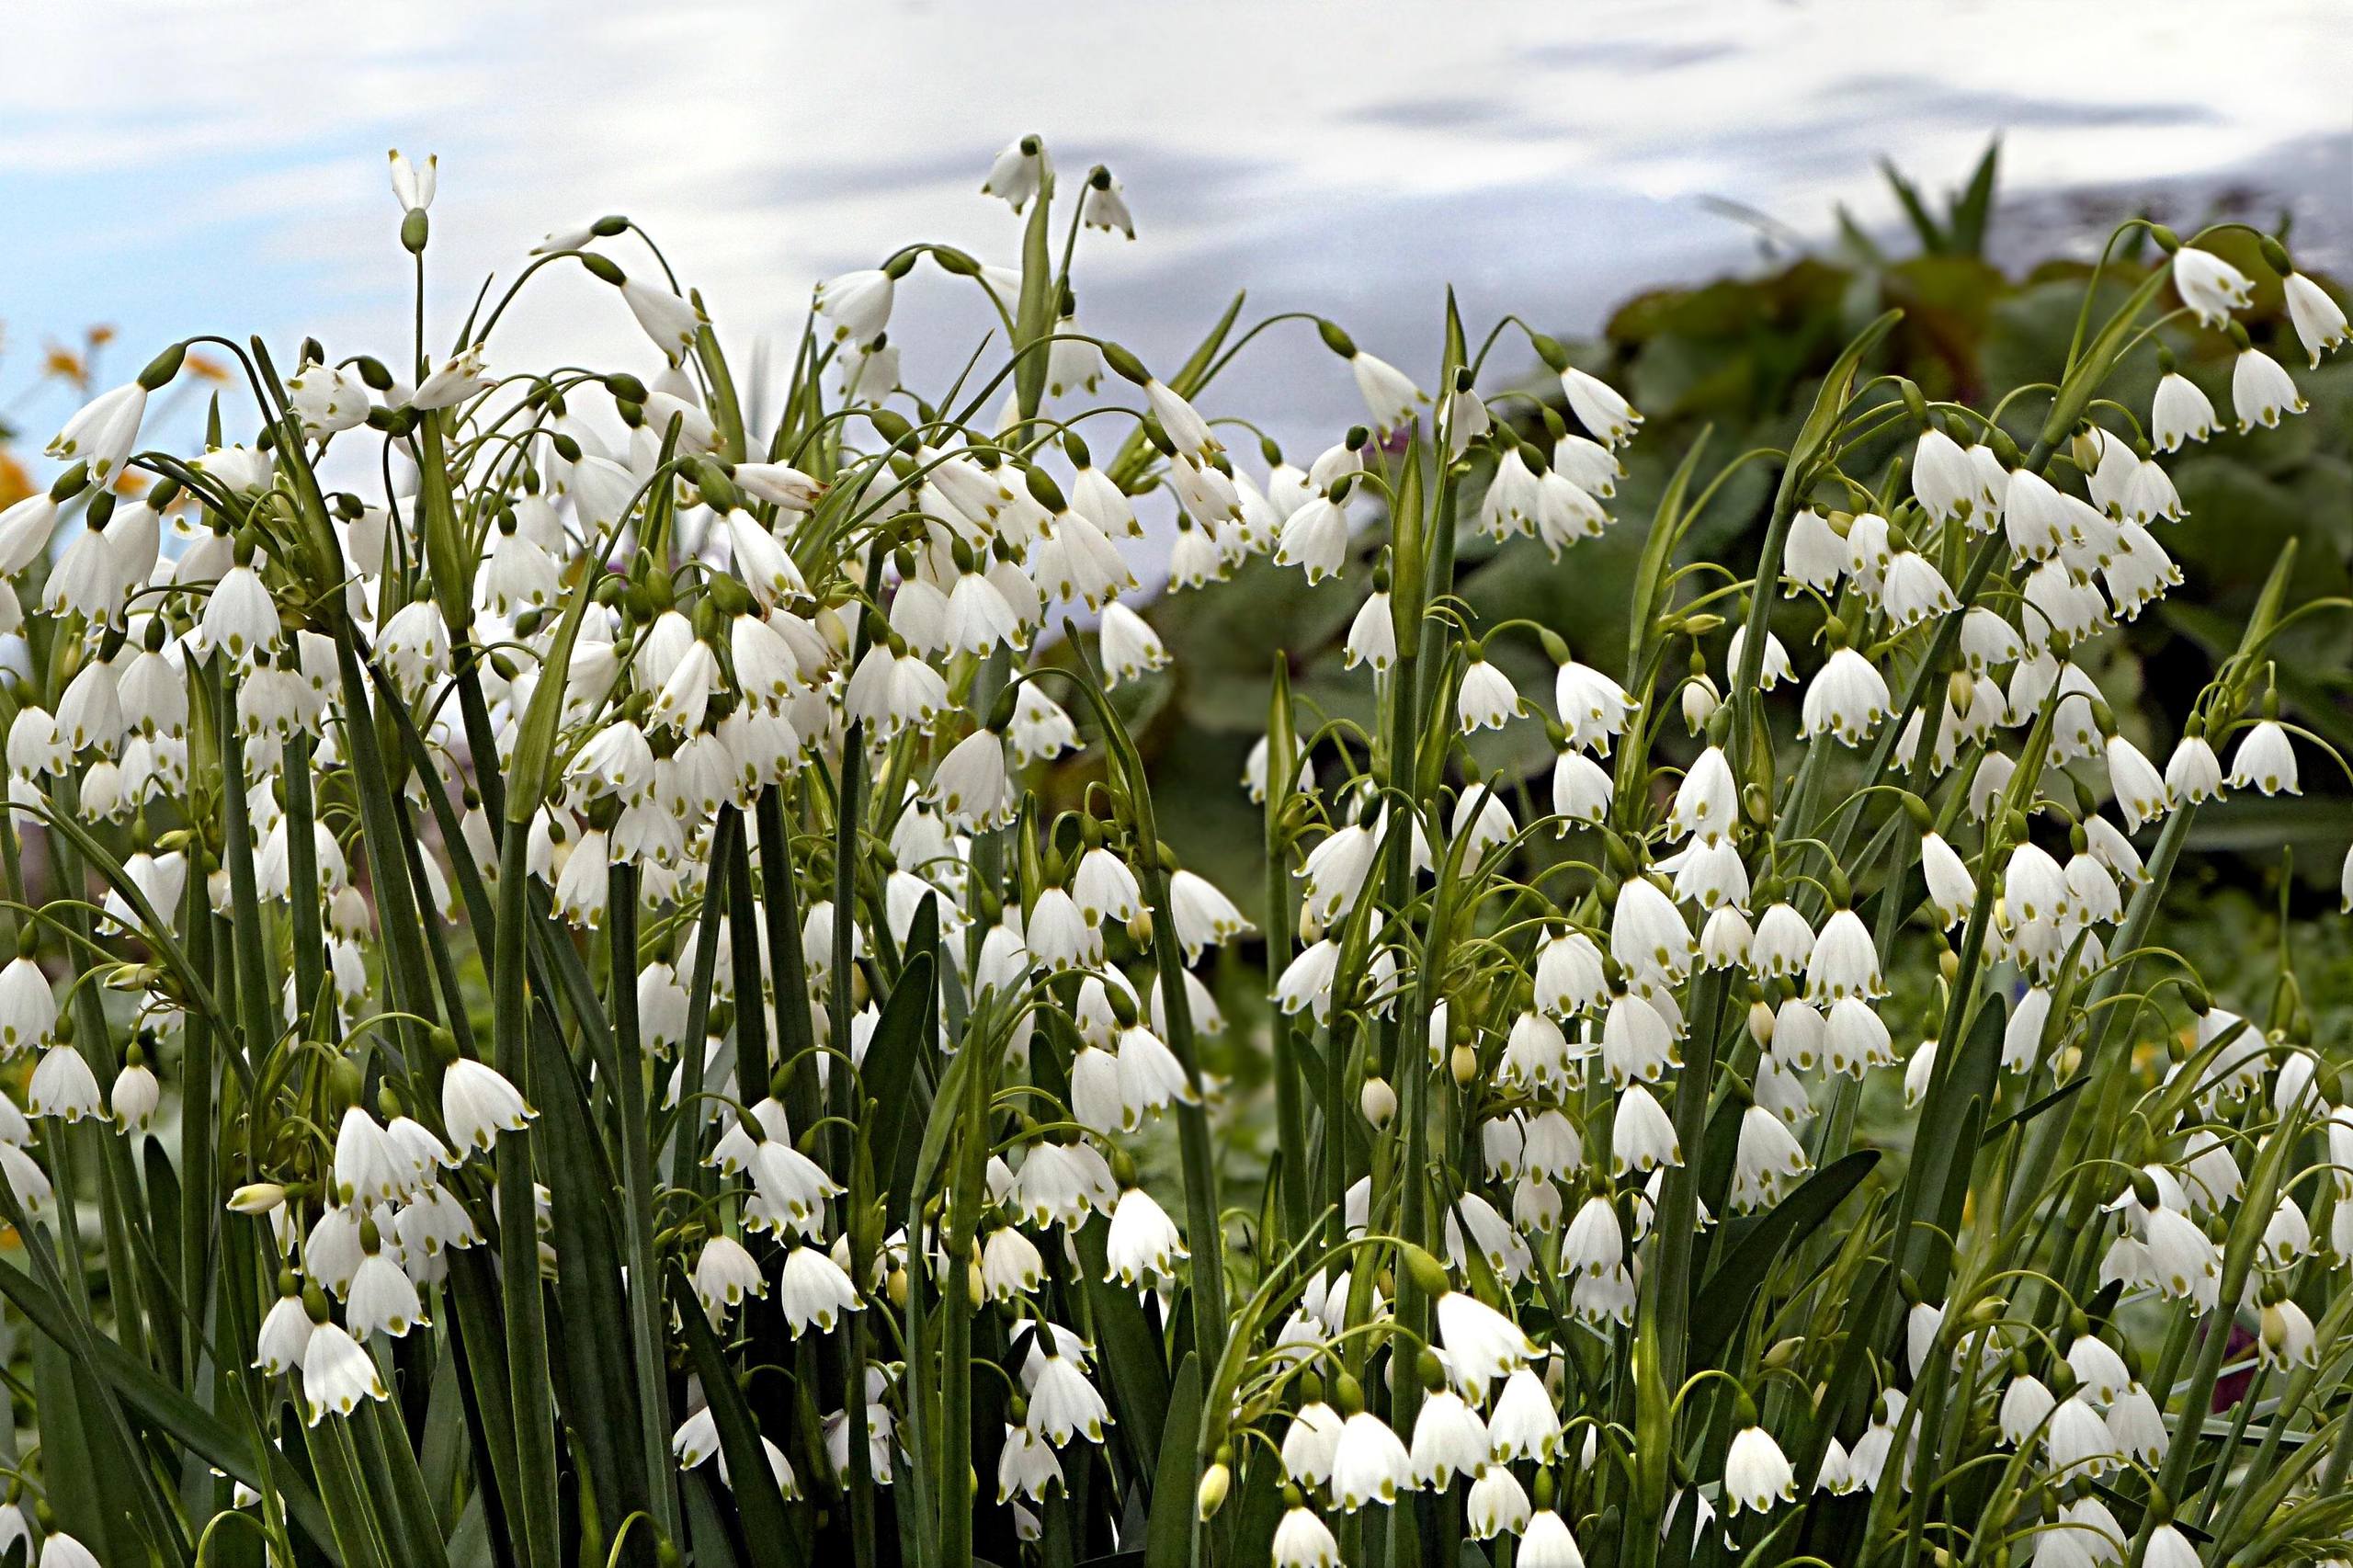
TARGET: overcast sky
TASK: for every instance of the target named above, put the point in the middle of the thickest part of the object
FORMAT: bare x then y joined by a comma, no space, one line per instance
173,168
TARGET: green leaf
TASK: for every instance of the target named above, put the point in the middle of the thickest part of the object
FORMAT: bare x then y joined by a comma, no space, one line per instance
768,1530
1168,1534
1720,1304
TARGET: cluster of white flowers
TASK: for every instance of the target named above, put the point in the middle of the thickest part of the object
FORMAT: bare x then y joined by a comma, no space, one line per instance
722,750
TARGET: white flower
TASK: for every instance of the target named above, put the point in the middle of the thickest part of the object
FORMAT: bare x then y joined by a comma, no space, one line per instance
725,1272
2193,774
1061,1401
284,1330
2261,391
971,784
1204,916
1130,647
1768,1159
1952,890
1525,1425
1314,537
107,428
1845,960
2179,413
1497,1504
813,1290
2265,760
1813,554
27,1007
1487,699
1847,698
62,1551
63,1086
1018,172
1450,1439
2078,1440
1302,1541
1598,407
336,1373
1641,1136
2209,285
1390,395
478,1103
2168,1548
1480,1343
1757,1473
411,185
2319,319
1545,1542
382,1300
1372,639
857,303
1143,1245
134,1096
1310,1444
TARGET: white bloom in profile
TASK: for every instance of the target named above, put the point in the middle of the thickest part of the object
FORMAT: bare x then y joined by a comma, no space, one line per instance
2168,1548
2179,414
459,377
284,1330
857,303
1018,171
1372,639
972,786
1593,707
1480,1343
2193,774
1598,407
1768,1160
2265,760
2077,1440
2209,285
1844,962
1205,917
893,689
1310,1444
1143,1245
1062,1402
1952,890
62,1551
63,1086
670,320
2261,391
27,1007
1130,647
1315,538
1302,1541
725,1272
1450,1439
1487,699
412,185
1757,1473
1545,1542
1641,1136
2319,319
1497,1504
105,429
478,1103
383,1299
1706,802
813,1290
1847,698
1524,1423
135,1093
336,1373
1369,1464
1390,395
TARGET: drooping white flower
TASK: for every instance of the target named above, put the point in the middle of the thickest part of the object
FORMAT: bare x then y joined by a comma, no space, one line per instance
2319,319
1847,698
2209,285
2261,391
1599,407
478,1103
1757,1473
2265,760
336,1373
103,432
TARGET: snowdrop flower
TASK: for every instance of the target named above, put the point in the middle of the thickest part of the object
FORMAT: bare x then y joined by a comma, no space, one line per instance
336,1373
1315,538
1390,395
2181,412
815,1290
2265,760
1369,1464
1019,172
2193,774
1847,697
1302,1541
1130,647
1757,1474
103,433
478,1103
1448,1439
1524,1423
1310,1443
2261,391
412,185
2319,319
1545,1542
1598,407
857,303
1497,1504
2209,285
1486,699
63,1086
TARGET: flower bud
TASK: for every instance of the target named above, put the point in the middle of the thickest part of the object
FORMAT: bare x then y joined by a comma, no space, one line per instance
1216,1482
1378,1101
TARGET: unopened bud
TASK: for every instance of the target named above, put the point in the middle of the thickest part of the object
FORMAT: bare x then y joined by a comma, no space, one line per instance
1378,1101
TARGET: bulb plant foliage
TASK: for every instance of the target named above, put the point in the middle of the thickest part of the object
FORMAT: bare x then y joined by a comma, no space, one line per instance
555,1024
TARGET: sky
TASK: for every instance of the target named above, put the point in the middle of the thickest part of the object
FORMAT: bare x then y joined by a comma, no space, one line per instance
173,168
